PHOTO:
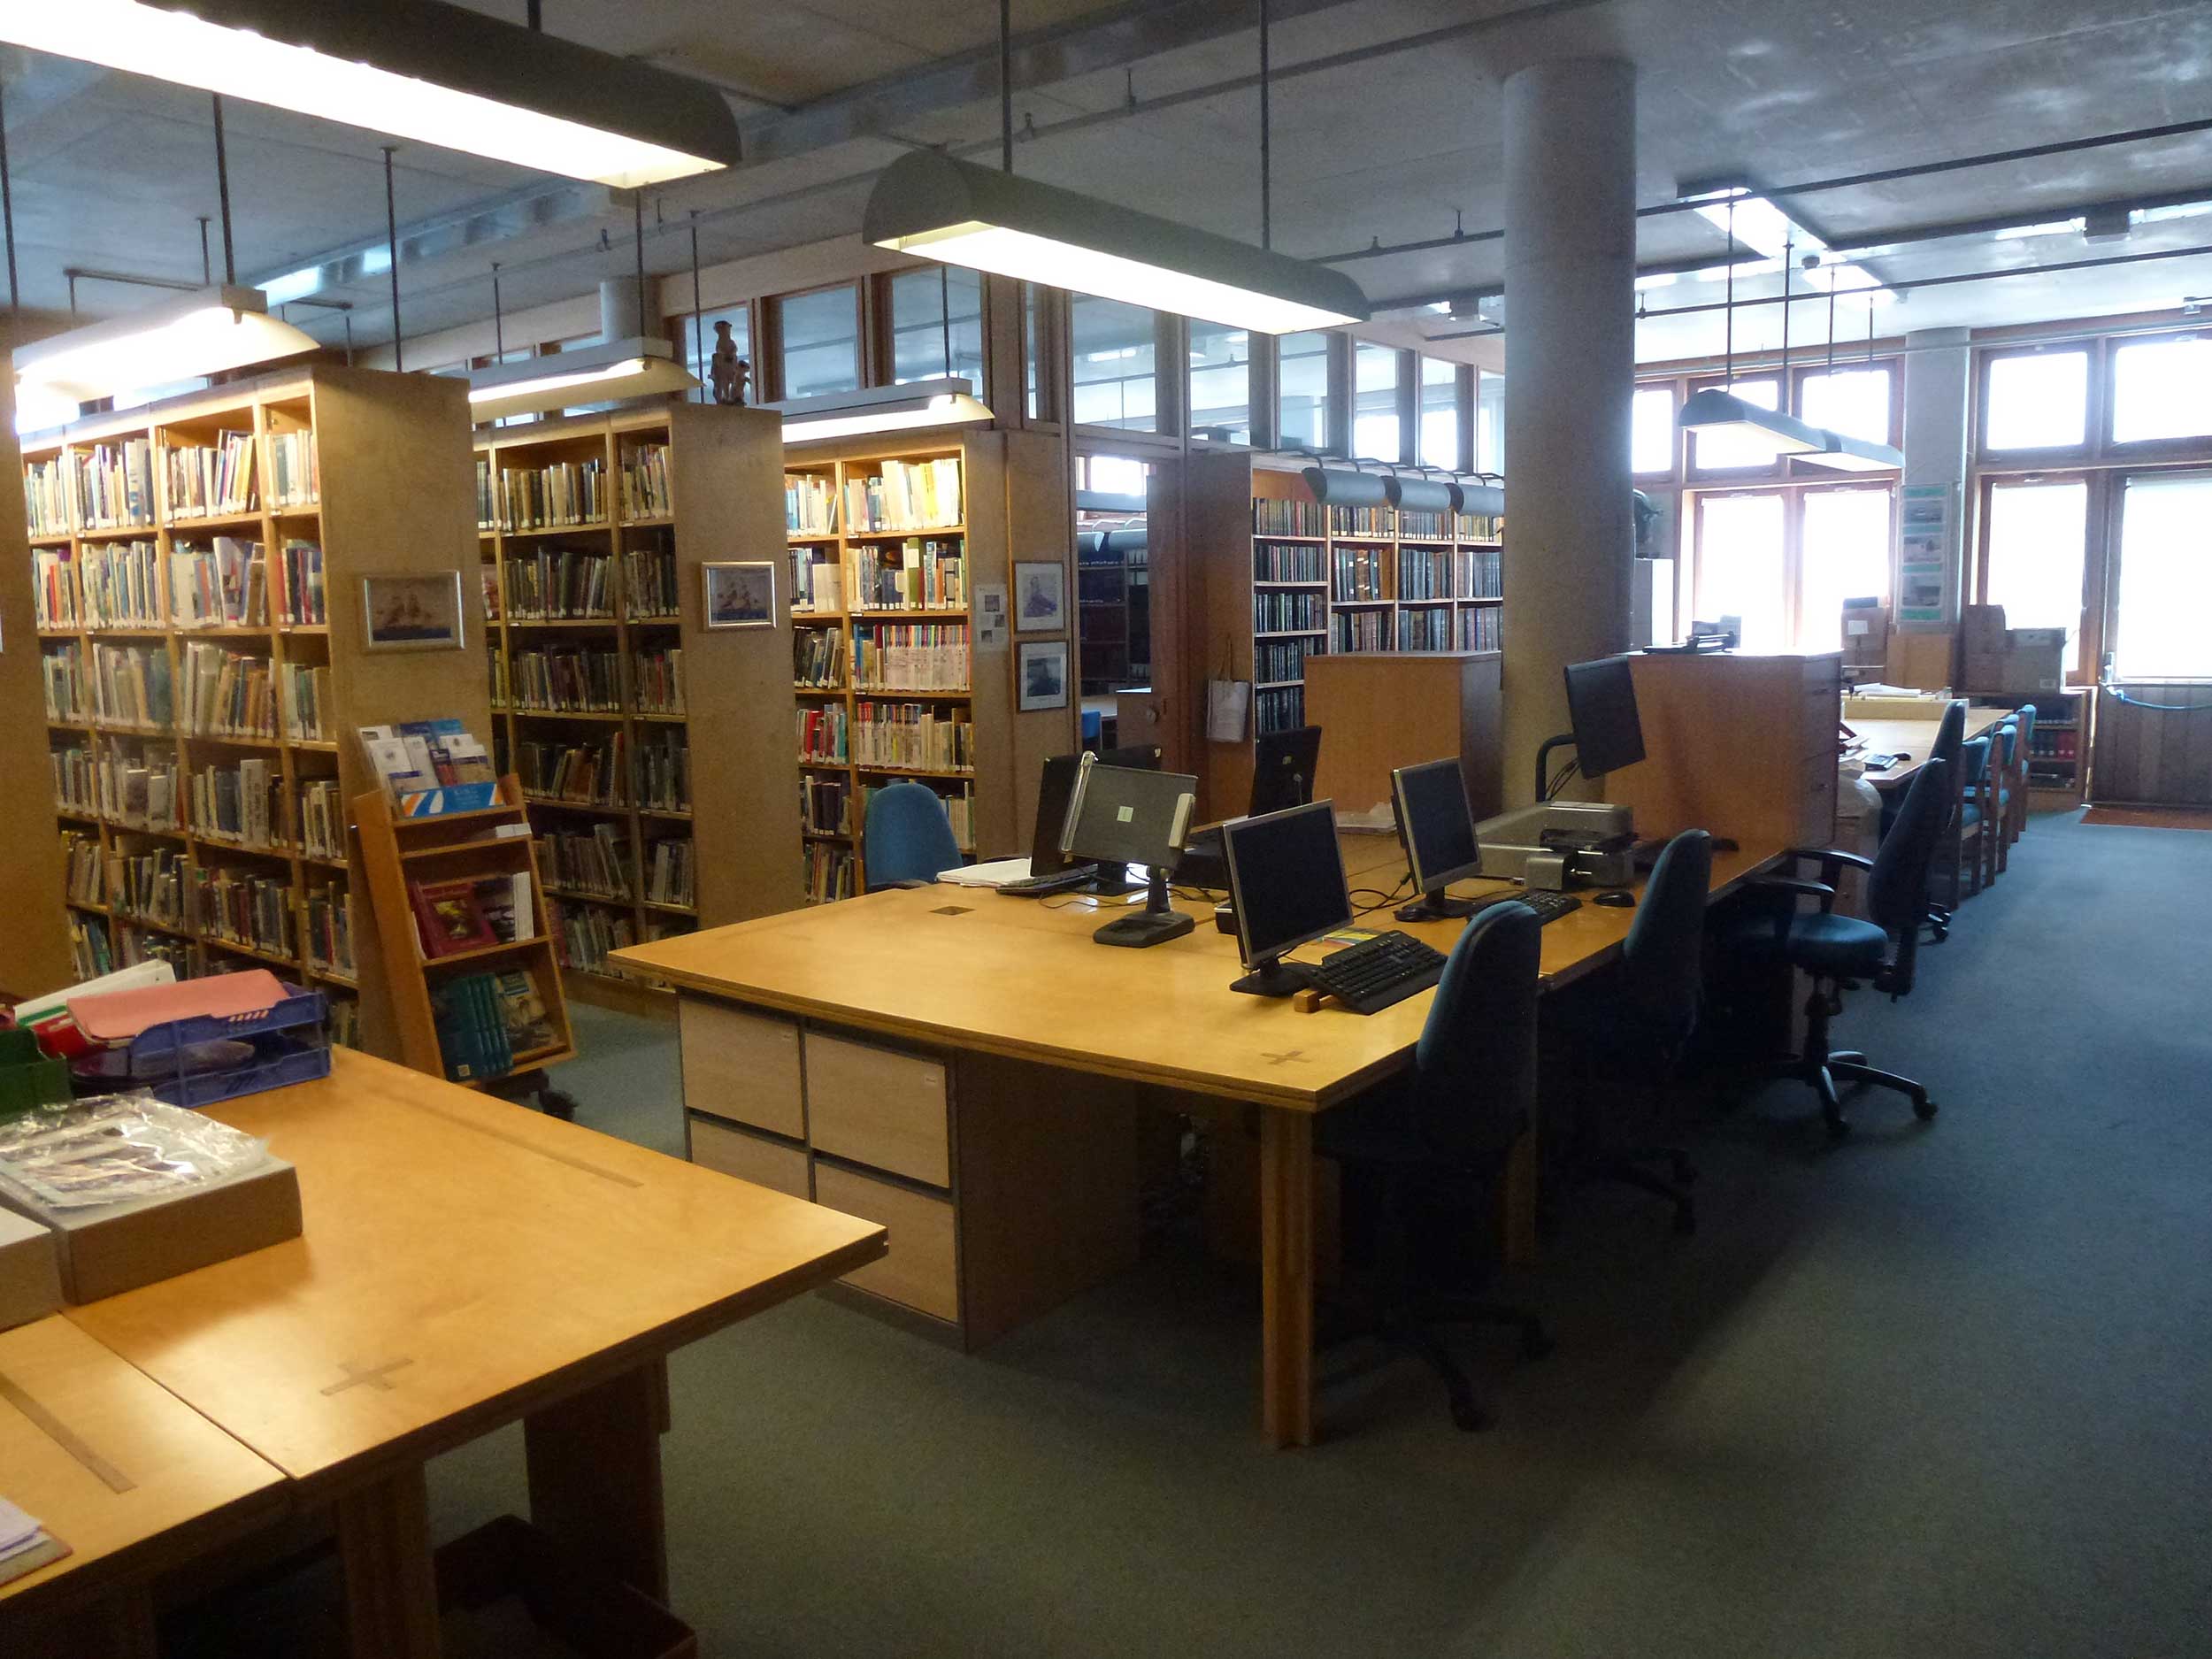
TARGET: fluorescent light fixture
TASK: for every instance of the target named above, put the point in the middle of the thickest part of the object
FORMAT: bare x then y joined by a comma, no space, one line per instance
1420,494
204,332
1714,410
2053,227
612,372
2177,210
945,402
930,204
1480,498
1843,453
418,69
1346,486
1760,225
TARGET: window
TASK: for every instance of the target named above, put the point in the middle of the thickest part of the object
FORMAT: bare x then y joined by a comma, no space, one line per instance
1033,348
699,350
1440,413
1489,422
1220,382
1715,450
1114,350
937,326
1375,371
1302,379
1651,431
1843,554
821,342
2161,388
1854,401
2036,401
1742,567
2039,544
2165,579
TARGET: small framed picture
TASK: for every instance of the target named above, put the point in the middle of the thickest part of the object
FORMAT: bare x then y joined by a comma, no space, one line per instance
1044,675
411,610
1040,596
740,594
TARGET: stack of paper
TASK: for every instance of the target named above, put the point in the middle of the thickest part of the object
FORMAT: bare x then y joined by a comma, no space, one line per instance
24,1545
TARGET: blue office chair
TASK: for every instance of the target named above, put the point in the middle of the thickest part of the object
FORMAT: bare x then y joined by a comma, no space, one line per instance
1840,952
1424,1156
909,839
1950,732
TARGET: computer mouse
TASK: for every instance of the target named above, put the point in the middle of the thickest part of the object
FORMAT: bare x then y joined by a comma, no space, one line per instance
1901,757
1619,900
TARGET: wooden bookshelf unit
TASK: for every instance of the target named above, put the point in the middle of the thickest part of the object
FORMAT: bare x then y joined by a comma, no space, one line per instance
197,572
591,531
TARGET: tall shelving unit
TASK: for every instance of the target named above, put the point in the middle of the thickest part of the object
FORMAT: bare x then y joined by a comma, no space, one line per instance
590,534
353,473
1285,577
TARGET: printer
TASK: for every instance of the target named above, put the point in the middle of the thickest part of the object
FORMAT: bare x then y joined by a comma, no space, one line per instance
1558,844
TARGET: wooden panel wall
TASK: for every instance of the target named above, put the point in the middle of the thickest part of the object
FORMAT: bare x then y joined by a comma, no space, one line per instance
2150,757
1219,514
1038,528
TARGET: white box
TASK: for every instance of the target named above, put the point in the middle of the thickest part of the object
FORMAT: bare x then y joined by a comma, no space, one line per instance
30,1272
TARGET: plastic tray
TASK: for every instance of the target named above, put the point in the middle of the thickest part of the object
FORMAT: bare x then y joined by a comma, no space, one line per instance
290,1047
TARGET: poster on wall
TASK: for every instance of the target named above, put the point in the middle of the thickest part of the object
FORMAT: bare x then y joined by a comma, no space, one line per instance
990,616
1922,554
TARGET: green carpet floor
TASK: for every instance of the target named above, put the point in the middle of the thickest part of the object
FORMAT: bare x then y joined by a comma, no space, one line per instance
1941,1391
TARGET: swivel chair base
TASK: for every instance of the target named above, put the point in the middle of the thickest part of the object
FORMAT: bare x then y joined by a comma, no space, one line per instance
1413,1328
1821,1068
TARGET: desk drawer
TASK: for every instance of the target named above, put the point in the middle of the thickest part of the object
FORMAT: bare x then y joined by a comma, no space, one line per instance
768,1164
742,1066
877,1107
922,1269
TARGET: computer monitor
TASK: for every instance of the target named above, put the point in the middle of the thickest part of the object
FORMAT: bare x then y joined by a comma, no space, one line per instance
1286,880
1602,706
1438,829
1056,787
1124,815
1283,766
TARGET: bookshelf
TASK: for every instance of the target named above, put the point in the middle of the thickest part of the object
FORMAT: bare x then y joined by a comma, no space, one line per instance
196,572
654,752
929,703
1285,578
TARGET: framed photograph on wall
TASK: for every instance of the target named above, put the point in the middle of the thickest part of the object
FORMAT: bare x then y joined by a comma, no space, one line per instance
1044,675
411,610
1040,596
740,594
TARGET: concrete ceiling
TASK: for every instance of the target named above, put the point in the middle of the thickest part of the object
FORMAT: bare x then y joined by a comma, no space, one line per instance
1385,132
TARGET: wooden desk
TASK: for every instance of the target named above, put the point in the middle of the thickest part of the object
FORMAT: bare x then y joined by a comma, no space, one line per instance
466,1262
1914,738
963,975
133,1480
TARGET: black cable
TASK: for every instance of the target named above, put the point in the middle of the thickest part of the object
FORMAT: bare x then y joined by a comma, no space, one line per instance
1567,775
2155,708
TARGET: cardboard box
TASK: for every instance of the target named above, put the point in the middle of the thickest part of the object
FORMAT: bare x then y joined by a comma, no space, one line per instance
115,1247
1982,627
30,1272
1865,633
1924,708
2029,668
1922,661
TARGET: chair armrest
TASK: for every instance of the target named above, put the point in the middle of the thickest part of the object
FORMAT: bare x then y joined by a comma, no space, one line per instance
1832,858
1819,890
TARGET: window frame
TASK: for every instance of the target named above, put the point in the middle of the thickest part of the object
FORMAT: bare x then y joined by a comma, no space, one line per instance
2096,411
771,313
1792,494
2135,450
1694,473
1894,439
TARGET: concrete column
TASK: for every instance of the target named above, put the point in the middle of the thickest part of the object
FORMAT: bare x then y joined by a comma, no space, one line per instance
1569,375
1939,395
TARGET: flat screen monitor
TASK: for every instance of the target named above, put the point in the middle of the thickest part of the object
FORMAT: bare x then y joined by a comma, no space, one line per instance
1602,706
1283,764
1056,787
1124,815
1438,828
1286,880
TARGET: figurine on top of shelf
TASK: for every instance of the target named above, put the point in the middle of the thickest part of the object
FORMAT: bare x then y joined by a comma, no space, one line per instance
728,370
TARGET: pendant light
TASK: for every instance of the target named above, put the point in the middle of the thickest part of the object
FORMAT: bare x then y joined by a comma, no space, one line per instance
1844,453
418,69
946,401
930,204
202,332
1717,408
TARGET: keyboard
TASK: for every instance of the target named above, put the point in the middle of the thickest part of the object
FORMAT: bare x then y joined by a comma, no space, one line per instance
1373,974
1043,886
1550,907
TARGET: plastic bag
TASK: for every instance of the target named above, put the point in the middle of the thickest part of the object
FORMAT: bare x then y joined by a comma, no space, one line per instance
119,1148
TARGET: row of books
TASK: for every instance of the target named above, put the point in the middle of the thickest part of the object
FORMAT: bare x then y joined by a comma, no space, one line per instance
1280,660
472,912
1419,524
1273,516
322,820
824,734
817,582
307,704
645,492
830,872
824,805
1359,630
656,680
138,792
1278,710
415,760
53,591
916,575
46,496
238,803
595,774
122,584
74,775
664,770
809,504
229,694
905,495
567,679
583,933
295,472
326,924
84,867
115,484
650,575
207,479
1357,573
912,656
913,736
487,517
1286,612
484,1021
62,670
561,493
594,861
671,872
131,686
818,656
90,955
1425,628
149,884
1482,630
243,907
305,602
1363,521
1286,561
223,585
559,583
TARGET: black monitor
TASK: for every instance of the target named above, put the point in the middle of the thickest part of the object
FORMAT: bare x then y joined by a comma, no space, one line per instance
1601,705
1124,815
1438,829
1287,880
1055,786
1282,768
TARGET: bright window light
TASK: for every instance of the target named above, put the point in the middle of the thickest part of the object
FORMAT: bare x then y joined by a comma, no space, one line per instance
165,45
1721,448
2161,388
1741,568
1854,401
1651,431
1844,555
2037,401
2165,580
2038,547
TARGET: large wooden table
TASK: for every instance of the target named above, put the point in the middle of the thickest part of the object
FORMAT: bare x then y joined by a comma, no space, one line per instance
962,969
465,1263
1913,737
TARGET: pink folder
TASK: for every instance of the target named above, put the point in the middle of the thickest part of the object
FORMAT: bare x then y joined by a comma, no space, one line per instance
119,1015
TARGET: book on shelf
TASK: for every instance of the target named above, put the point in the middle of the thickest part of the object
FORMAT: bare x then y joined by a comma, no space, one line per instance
659,677
664,770
818,584
138,792
328,924
115,484
1425,628
809,504
591,774
648,577
1362,521
819,657
472,1028
570,678
487,496
295,474
911,657
560,584
306,696
429,767
75,778
304,601
671,874
148,884
225,585
1271,515
238,803
823,734
507,905
229,694
914,575
1359,630
46,496
904,496
54,589
529,1024
559,494
84,867
206,480
131,685
63,672
831,872
645,492
824,805
594,861
322,820
1482,629
243,907
912,736
122,584
1278,612
448,917
583,933
1278,710
1286,561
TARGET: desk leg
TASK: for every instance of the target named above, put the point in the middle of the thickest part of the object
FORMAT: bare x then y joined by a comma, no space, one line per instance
595,1464
1287,1277
391,1585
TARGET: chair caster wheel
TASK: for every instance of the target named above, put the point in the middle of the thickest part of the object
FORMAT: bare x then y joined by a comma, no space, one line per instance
555,1104
1924,1109
1467,1417
1838,1130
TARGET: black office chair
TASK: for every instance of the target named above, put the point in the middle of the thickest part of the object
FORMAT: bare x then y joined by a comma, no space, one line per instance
1840,952
1426,1155
1950,734
1636,1023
